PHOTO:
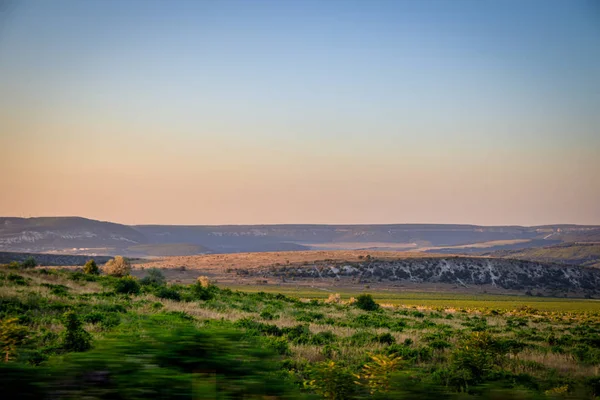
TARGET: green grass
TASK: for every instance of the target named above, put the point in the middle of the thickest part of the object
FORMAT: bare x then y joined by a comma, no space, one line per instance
70,333
440,299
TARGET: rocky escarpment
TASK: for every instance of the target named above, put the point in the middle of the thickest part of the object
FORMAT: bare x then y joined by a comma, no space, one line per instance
465,271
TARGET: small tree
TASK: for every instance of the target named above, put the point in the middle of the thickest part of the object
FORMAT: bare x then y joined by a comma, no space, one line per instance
75,338
366,302
118,267
91,268
154,277
376,374
127,285
29,263
330,381
11,335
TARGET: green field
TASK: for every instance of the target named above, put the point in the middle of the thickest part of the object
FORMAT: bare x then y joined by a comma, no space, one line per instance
69,334
438,300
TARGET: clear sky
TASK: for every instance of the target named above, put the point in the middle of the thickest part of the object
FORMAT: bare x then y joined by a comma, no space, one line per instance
299,111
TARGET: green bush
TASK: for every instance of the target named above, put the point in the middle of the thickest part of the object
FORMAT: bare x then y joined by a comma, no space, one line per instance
90,268
366,302
29,263
268,315
168,293
154,277
57,290
17,279
127,285
203,293
75,338
331,381
385,338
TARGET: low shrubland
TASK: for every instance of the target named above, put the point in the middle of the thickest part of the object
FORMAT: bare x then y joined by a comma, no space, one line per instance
68,334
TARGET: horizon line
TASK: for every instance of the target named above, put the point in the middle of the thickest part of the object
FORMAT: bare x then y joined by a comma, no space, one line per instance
307,224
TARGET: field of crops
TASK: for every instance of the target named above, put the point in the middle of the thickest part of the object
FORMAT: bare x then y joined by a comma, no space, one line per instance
72,334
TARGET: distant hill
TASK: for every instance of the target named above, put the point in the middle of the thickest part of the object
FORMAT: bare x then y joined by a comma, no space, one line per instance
75,235
66,233
586,254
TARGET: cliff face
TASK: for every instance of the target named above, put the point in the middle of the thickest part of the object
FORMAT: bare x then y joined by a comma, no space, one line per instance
502,273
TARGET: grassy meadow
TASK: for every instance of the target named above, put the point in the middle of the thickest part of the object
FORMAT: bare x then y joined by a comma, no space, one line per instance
71,334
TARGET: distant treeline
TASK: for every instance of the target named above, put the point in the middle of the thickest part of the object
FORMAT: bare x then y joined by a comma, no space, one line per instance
50,259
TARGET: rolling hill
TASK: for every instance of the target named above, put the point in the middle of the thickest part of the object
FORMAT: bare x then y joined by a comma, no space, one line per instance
75,235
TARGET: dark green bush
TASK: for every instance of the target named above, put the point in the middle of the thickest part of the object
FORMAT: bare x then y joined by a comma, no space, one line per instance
385,338
58,290
127,285
168,293
29,263
268,315
17,279
258,328
203,293
154,277
366,302
75,338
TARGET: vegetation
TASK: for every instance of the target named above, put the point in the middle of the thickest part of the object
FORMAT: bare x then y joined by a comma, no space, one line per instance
65,332
118,267
91,268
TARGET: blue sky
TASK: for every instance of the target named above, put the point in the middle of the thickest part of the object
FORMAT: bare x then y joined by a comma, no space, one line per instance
498,98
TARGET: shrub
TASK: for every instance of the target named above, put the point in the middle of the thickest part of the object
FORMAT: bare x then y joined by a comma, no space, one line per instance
331,381
75,338
154,277
258,327
57,290
366,302
268,315
334,299
17,279
385,338
29,263
127,285
202,292
118,267
203,281
11,335
168,293
91,268
376,374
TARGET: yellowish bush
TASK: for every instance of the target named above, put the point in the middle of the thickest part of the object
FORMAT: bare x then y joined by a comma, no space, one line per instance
351,301
118,266
334,299
203,281
376,374
11,335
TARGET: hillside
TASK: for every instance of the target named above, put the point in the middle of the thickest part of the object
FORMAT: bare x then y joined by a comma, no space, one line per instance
74,235
587,254
509,274
333,270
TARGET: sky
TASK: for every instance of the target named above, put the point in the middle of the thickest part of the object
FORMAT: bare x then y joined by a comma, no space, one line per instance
334,111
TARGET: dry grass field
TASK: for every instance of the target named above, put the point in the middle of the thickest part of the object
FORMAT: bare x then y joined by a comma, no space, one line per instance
218,263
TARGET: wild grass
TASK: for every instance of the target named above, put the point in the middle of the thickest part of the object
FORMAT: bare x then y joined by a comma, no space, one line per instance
453,342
